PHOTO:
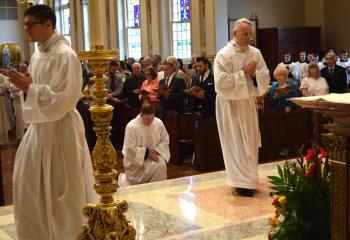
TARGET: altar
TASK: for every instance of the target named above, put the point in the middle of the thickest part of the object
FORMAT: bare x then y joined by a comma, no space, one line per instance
337,142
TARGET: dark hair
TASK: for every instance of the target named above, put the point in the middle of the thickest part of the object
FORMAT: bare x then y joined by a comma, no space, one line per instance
343,51
42,13
113,63
204,60
122,65
181,64
147,109
152,70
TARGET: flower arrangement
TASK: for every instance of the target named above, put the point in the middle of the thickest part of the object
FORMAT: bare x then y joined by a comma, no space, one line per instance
303,198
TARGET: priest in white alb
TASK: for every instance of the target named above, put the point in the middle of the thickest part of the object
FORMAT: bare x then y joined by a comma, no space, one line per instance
145,150
52,180
240,75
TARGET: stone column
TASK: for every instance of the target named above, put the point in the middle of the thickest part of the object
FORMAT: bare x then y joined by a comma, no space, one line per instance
114,24
156,34
27,46
197,40
210,29
145,20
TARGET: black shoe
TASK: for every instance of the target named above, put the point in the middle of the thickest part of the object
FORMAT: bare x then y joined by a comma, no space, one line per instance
245,192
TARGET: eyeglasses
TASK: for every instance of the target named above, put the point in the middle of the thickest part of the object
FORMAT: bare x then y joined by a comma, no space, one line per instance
30,24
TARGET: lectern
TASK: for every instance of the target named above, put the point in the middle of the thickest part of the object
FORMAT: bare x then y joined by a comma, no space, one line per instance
337,143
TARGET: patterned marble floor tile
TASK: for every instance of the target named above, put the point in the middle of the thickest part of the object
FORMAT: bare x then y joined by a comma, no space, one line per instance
200,207
248,230
7,232
155,224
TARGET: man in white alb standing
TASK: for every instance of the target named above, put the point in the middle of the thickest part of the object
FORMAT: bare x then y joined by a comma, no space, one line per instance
238,67
53,178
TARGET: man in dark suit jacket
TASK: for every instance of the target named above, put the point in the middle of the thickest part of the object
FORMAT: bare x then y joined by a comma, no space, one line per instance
133,84
335,75
204,102
174,100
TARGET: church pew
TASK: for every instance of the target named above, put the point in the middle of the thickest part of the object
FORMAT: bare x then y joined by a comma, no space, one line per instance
181,136
283,134
208,153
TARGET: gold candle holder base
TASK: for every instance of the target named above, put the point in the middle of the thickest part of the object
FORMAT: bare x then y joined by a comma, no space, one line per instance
106,219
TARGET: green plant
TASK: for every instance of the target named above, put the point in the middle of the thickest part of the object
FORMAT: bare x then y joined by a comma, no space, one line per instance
302,205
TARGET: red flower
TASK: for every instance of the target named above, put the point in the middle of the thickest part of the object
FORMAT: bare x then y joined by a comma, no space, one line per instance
311,170
310,154
275,201
323,152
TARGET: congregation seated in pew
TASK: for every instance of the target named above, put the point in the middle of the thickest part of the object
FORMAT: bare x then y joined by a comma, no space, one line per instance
202,92
148,87
314,84
281,90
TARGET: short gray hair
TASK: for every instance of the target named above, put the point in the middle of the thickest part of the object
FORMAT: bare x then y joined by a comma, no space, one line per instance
240,21
172,60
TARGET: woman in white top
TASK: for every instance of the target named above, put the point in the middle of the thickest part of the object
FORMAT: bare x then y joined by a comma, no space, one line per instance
314,84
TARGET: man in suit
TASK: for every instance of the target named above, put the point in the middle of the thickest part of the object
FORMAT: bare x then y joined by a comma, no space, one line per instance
204,102
335,75
173,100
133,84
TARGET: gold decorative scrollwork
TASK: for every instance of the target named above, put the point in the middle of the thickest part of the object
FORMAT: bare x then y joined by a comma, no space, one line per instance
336,146
106,220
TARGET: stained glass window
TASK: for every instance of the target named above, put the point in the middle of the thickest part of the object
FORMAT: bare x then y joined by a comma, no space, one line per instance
133,28
181,28
63,18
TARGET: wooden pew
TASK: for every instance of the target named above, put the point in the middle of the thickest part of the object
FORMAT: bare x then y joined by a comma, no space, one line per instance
283,133
181,135
208,154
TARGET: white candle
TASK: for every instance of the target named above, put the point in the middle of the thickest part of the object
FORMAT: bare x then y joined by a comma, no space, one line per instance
95,24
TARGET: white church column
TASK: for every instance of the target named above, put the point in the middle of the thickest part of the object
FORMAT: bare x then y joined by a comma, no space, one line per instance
210,28
114,23
196,27
145,19
156,34
27,46
165,28
77,25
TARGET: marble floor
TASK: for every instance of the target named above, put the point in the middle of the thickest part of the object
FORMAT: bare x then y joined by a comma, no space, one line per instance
200,207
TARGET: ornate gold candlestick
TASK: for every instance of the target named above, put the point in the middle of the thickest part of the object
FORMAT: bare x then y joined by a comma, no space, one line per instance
106,218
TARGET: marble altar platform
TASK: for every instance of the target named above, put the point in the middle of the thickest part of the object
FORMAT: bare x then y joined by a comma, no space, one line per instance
201,207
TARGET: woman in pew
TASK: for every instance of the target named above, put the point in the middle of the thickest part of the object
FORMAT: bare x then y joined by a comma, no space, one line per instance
314,84
281,90
147,92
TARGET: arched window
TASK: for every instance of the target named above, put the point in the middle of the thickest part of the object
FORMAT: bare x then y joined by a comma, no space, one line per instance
180,28
133,30
63,18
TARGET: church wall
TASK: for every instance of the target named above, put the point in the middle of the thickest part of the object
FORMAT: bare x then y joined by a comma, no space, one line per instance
314,16
10,32
271,13
337,31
